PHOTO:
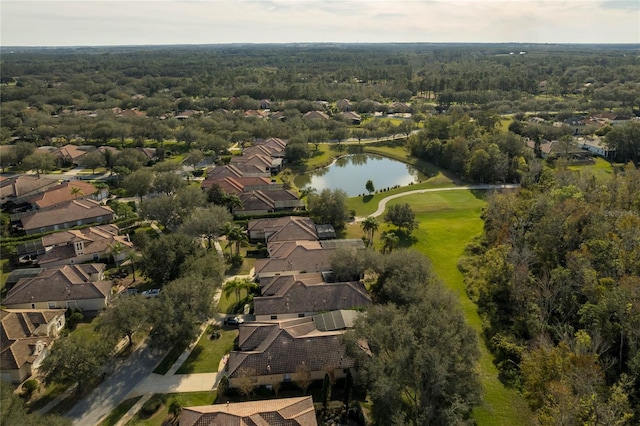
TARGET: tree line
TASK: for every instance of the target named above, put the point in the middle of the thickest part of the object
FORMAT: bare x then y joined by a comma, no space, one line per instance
556,279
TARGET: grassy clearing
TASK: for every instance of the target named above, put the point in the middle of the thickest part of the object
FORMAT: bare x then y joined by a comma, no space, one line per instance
207,354
119,411
448,222
229,304
170,358
188,399
602,169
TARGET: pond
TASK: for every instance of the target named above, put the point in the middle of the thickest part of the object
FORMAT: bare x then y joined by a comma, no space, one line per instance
351,173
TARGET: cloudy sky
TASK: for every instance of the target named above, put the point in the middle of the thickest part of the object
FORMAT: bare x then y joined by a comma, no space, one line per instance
139,22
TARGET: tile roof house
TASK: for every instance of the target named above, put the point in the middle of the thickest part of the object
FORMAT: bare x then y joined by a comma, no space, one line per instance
261,161
304,295
296,257
263,201
72,153
597,146
18,188
276,146
275,350
297,411
25,338
67,215
315,115
352,117
68,286
82,245
235,186
64,192
344,105
289,228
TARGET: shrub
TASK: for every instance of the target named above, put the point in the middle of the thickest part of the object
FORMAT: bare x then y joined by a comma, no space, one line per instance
74,320
29,387
152,405
223,386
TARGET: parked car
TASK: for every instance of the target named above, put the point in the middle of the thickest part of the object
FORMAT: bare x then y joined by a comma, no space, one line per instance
154,292
130,291
233,321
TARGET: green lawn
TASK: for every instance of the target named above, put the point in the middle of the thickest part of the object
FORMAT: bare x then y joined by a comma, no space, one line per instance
119,411
188,399
448,222
207,354
602,169
229,304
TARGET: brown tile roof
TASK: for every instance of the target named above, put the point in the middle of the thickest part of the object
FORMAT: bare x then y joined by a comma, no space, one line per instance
274,144
311,115
224,171
20,331
22,185
68,212
269,226
235,185
255,201
274,412
68,282
295,230
70,151
97,239
260,160
62,193
286,345
294,256
301,295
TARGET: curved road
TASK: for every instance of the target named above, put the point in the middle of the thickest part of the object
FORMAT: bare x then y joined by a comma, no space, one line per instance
383,203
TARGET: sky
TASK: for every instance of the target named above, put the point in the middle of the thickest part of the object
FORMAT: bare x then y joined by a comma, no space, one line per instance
158,22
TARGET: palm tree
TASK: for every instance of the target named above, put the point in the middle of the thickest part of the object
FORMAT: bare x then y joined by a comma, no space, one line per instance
132,256
389,241
306,192
235,236
370,226
232,202
236,285
116,249
76,192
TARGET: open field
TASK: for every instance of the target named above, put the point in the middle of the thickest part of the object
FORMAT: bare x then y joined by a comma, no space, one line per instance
207,354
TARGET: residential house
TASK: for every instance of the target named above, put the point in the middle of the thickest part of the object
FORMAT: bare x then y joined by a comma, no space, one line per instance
296,257
276,146
315,115
68,286
72,154
399,107
265,104
611,119
66,192
17,189
597,146
298,411
67,215
261,162
82,245
25,339
275,351
344,105
236,186
290,228
304,295
266,201
351,117
150,153
255,113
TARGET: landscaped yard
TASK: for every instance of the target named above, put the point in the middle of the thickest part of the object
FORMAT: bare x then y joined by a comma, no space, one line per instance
207,354
185,399
119,411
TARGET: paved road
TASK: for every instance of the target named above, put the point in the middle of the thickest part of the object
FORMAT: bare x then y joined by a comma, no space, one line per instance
127,375
383,203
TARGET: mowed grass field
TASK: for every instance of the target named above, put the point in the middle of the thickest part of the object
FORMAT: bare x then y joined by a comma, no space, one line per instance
449,220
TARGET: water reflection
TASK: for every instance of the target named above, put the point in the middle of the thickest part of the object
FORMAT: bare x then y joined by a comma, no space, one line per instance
350,173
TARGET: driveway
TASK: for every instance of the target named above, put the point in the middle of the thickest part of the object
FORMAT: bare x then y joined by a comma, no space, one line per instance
126,376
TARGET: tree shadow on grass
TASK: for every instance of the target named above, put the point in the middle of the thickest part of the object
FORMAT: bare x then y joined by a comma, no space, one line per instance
367,198
406,239
190,363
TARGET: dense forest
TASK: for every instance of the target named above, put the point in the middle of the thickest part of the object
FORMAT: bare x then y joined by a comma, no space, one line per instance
556,278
